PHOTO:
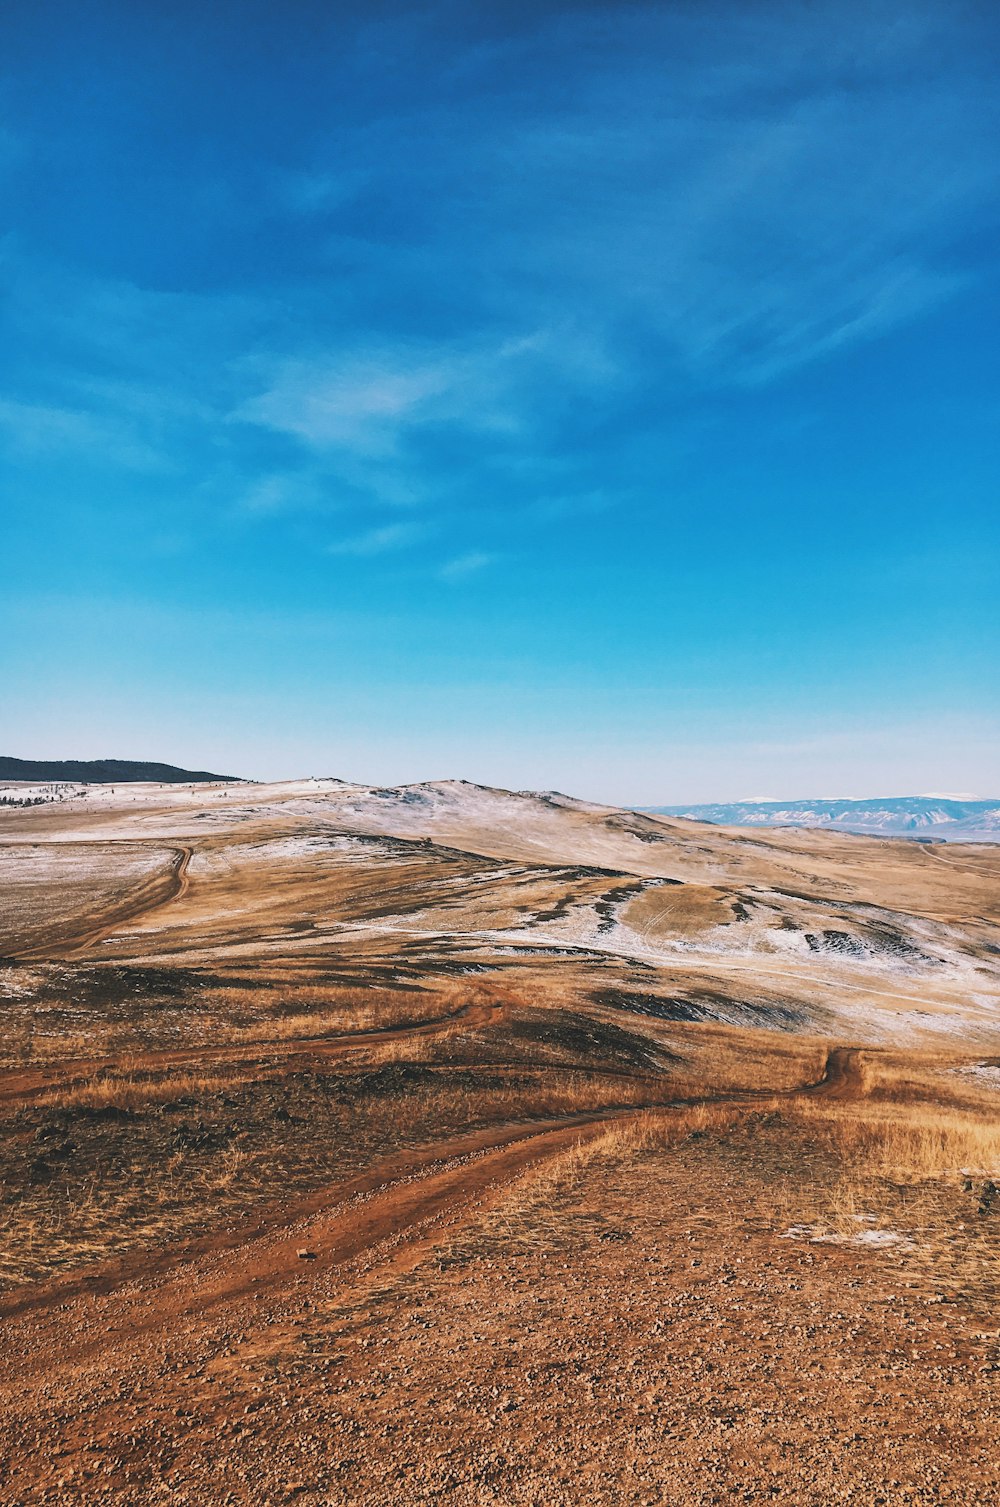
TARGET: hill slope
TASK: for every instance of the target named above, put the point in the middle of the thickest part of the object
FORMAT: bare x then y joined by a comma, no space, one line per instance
103,771
812,931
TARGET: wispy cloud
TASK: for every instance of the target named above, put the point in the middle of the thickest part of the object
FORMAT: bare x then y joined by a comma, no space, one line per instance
497,289
274,495
464,566
357,404
790,212
367,401
377,541
37,430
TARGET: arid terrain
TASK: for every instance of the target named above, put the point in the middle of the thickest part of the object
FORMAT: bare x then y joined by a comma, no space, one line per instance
456,1145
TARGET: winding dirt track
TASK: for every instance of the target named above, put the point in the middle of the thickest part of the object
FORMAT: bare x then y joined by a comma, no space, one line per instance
394,1201
166,1335
842,1075
85,932
399,1199
282,1055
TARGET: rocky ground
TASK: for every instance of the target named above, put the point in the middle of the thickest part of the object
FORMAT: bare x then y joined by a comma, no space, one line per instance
630,1325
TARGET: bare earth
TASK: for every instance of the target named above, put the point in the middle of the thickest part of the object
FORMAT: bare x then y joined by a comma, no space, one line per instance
447,1144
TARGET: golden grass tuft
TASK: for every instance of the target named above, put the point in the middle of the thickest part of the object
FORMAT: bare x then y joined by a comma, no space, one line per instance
624,1139
293,1010
127,1091
727,1059
224,1016
909,1143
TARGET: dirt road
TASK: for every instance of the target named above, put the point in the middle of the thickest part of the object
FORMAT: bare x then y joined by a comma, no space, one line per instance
262,1056
324,1271
842,1076
402,1201
75,938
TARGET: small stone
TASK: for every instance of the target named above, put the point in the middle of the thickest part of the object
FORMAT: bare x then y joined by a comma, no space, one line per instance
305,1255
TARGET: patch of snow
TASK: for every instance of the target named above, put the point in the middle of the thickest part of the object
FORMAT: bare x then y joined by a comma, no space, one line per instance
946,795
867,1239
987,1073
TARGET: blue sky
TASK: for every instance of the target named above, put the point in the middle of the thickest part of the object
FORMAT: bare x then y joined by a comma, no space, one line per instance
599,397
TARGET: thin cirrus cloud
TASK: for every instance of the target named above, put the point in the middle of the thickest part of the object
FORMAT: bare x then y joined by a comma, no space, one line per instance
755,195
749,246
37,430
368,402
377,541
700,211
719,194
464,566
359,405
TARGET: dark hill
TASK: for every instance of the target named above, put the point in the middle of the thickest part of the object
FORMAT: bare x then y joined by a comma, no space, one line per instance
102,771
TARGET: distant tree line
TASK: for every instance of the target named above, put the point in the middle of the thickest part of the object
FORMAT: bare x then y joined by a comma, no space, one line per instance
57,793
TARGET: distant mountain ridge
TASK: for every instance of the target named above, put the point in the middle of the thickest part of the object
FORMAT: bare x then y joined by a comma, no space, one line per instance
931,817
104,771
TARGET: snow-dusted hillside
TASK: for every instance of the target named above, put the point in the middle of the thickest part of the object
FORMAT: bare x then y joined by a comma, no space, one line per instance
941,818
808,930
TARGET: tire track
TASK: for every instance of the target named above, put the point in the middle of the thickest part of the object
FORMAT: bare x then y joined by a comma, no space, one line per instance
260,1057
146,1293
86,932
468,1159
843,1076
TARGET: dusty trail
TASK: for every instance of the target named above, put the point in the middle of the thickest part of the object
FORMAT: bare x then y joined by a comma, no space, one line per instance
228,1302
406,1197
932,851
85,932
250,1061
68,1321
139,1379
260,1057
842,1076
90,1359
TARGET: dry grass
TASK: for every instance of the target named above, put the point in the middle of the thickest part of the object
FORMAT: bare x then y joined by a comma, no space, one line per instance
932,1144
91,1221
132,1080
537,1202
24,1046
162,1177
919,1175
547,1095
726,1059
127,1090
125,1087
909,1144
294,1010
57,1030
894,1078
